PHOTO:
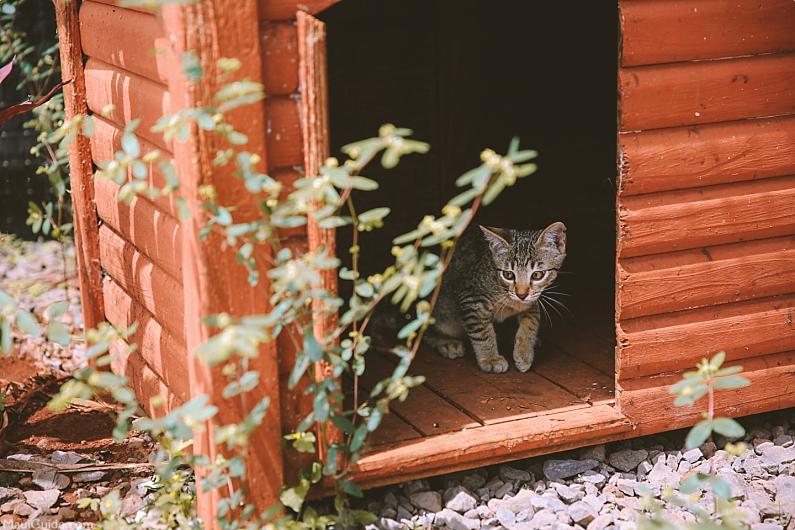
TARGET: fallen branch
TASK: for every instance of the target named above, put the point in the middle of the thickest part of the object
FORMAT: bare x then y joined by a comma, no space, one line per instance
26,466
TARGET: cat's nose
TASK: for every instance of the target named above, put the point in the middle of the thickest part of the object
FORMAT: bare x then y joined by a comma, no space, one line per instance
522,296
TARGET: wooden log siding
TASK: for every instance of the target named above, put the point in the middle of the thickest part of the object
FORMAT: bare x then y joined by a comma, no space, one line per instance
668,31
706,246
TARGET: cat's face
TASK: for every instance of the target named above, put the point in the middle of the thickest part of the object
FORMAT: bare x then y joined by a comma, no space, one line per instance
527,262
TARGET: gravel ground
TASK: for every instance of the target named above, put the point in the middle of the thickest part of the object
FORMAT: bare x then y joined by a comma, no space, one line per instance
602,487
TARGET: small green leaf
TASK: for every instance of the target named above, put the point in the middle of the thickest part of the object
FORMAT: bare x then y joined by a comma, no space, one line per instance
57,309
717,361
720,487
376,214
351,488
57,332
26,323
728,428
698,434
731,382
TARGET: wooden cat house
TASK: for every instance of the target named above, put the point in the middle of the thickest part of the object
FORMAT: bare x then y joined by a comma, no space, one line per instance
666,133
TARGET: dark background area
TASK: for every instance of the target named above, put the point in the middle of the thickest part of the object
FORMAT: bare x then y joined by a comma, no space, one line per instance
19,183
472,74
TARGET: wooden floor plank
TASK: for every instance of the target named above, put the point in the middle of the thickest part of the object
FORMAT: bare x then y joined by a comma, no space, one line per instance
393,429
428,412
581,342
491,398
577,377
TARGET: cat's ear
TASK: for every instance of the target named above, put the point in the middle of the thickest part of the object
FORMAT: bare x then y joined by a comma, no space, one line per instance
553,236
498,238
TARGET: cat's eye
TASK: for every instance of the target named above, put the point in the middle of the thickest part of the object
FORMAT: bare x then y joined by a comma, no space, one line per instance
537,275
508,275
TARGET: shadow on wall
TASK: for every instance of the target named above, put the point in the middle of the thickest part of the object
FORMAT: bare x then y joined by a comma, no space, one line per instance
471,75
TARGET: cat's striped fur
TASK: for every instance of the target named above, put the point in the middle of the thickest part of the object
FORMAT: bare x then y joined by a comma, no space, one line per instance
496,274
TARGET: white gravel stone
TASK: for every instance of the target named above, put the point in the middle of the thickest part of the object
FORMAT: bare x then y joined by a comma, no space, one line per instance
569,494
504,490
601,522
560,469
459,499
581,513
455,521
692,455
42,499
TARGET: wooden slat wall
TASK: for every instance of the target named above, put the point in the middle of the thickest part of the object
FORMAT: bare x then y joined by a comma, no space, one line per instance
140,243
706,251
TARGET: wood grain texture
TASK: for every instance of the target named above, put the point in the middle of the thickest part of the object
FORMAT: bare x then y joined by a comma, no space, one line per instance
666,31
118,4
133,96
164,353
106,142
652,97
145,282
707,222
572,374
213,280
287,9
492,398
678,342
313,112
702,284
280,58
138,45
691,157
647,402
142,380
80,169
284,139
424,410
154,233
491,444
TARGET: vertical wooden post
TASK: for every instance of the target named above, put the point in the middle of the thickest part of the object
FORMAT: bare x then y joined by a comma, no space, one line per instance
213,280
81,170
312,77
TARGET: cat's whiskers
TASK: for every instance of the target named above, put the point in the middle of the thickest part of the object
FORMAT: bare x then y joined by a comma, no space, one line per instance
553,302
544,310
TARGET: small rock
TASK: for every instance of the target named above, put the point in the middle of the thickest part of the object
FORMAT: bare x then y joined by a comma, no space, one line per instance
560,469
548,501
88,476
131,503
504,490
627,487
543,518
403,514
390,499
65,457
506,517
661,475
427,500
416,485
388,512
48,479
581,513
767,526
595,502
522,500
459,499
785,493
784,439
568,494
456,521
484,512
8,493
594,452
24,509
627,459
42,499
66,513
385,523
777,454
592,477
494,484
601,522
508,473
692,455
474,481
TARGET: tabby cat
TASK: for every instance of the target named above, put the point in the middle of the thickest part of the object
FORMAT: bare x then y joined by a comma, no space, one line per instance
496,274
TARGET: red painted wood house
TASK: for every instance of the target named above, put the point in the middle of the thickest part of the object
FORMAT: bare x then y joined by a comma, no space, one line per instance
666,132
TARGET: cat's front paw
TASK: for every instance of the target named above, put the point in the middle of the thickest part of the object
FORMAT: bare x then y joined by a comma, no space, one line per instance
452,349
523,359
497,364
